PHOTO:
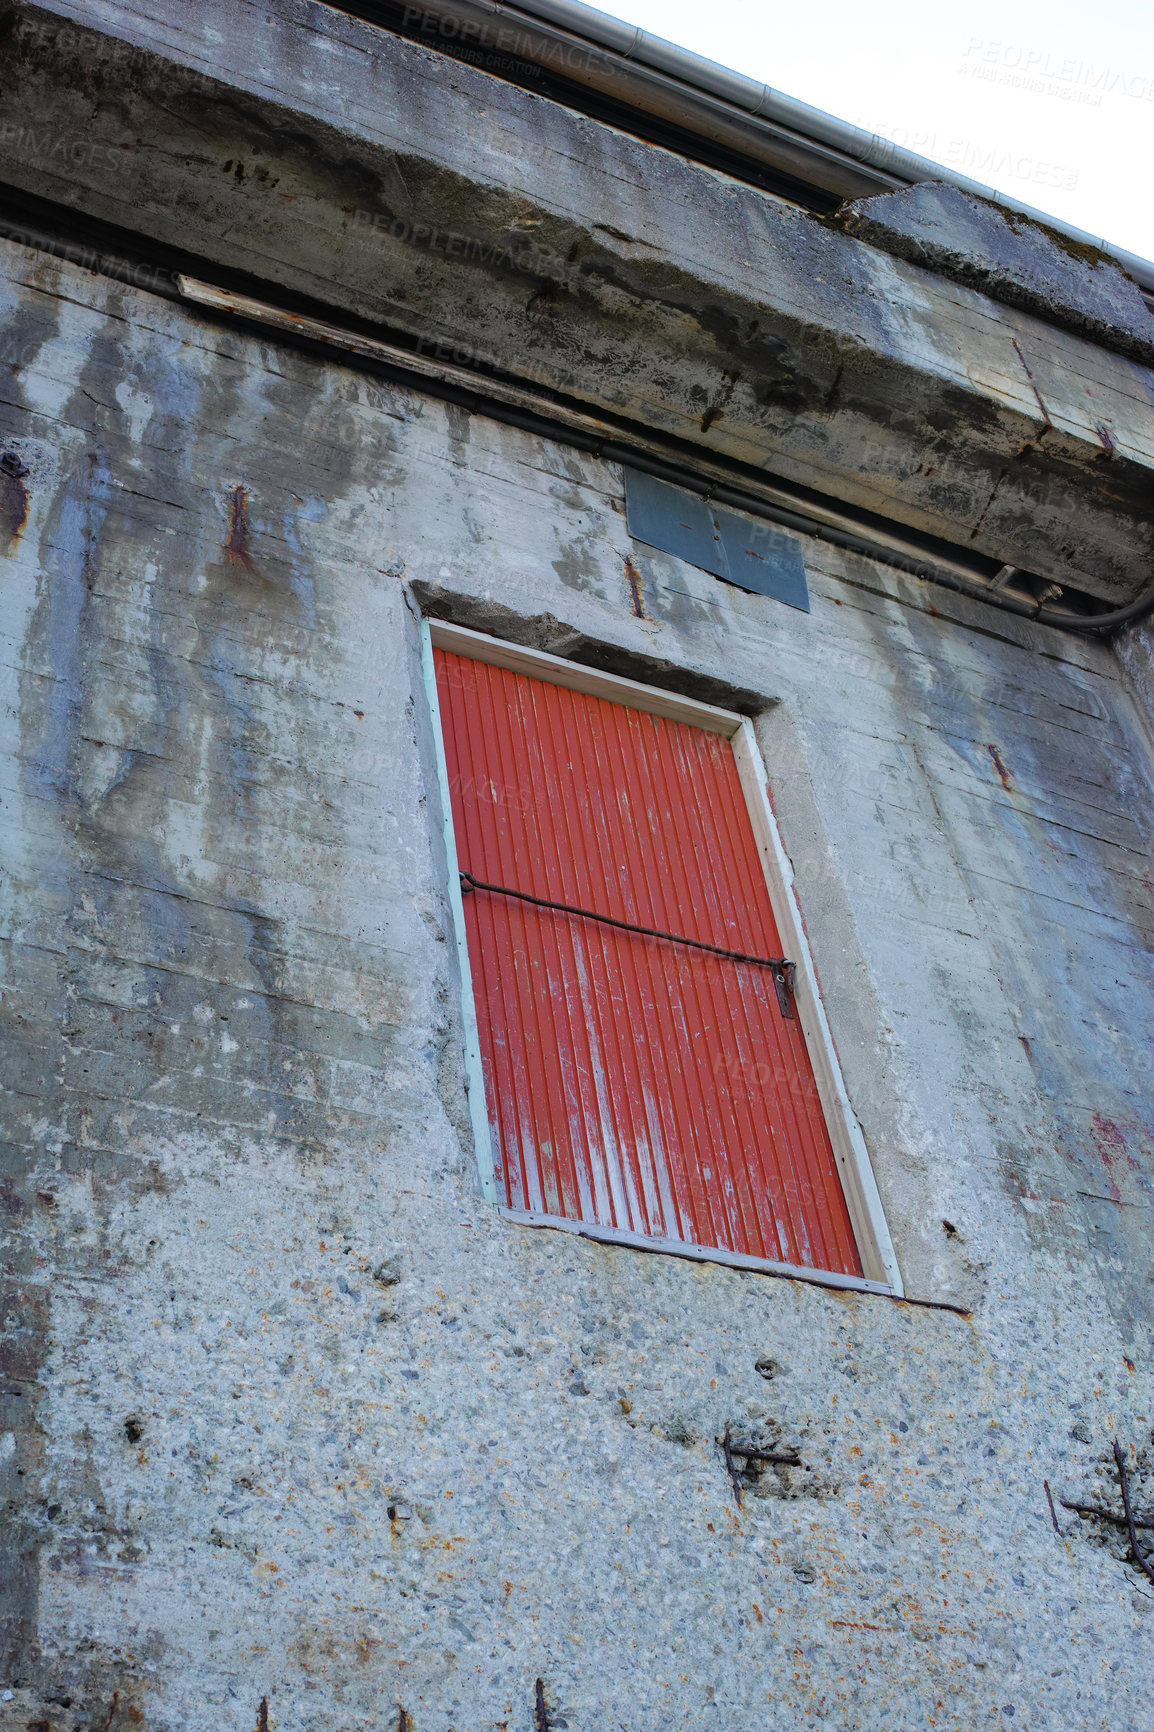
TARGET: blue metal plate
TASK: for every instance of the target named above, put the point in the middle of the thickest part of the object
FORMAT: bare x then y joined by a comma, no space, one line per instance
745,551
675,521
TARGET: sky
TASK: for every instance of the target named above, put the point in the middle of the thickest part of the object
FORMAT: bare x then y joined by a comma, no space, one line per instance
1048,101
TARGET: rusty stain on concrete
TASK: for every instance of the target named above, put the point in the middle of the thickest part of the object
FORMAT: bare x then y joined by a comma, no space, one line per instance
1007,779
236,544
14,500
1047,423
636,595
1111,1144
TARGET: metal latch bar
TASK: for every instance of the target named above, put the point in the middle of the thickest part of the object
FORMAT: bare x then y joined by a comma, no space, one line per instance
783,971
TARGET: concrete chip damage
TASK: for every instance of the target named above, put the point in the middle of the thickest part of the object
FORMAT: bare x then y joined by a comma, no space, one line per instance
303,1424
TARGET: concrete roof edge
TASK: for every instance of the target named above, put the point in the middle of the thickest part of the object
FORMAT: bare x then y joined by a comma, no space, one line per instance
826,131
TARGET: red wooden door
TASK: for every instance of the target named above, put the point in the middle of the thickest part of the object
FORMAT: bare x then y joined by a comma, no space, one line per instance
631,1082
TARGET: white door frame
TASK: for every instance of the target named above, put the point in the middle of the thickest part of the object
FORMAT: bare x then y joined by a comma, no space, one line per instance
875,1248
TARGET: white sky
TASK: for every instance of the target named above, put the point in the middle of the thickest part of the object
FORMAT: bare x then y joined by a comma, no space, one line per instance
1049,101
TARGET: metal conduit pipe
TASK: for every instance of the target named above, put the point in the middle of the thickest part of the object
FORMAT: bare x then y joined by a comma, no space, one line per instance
589,47
1093,622
521,406
931,571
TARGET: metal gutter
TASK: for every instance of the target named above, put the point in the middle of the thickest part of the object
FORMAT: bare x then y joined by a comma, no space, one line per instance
617,89
590,48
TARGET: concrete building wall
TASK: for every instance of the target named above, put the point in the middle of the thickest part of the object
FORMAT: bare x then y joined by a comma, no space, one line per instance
290,1413
283,139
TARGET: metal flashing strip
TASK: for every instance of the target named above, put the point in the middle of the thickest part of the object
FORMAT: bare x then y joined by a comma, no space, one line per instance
520,44
697,1253
474,1076
849,1145
541,665
733,1260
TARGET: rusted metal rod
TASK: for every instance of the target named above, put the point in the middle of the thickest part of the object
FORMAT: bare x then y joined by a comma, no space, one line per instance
1107,1515
1124,1482
780,1458
783,1459
731,1467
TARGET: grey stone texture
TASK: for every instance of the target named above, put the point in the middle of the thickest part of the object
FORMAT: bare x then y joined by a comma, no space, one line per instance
290,1414
1010,257
319,155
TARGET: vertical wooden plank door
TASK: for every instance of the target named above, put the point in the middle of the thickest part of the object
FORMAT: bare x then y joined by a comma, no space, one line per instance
631,1083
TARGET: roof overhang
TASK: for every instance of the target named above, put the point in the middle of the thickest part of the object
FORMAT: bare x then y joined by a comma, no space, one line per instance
347,165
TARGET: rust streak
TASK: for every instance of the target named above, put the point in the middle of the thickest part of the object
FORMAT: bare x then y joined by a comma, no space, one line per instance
635,591
1007,778
13,500
716,409
236,544
989,502
1033,384
1110,1142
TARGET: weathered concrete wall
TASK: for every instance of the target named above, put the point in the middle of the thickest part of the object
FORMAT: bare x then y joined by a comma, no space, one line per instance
317,153
1135,649
1009,257
289,1412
